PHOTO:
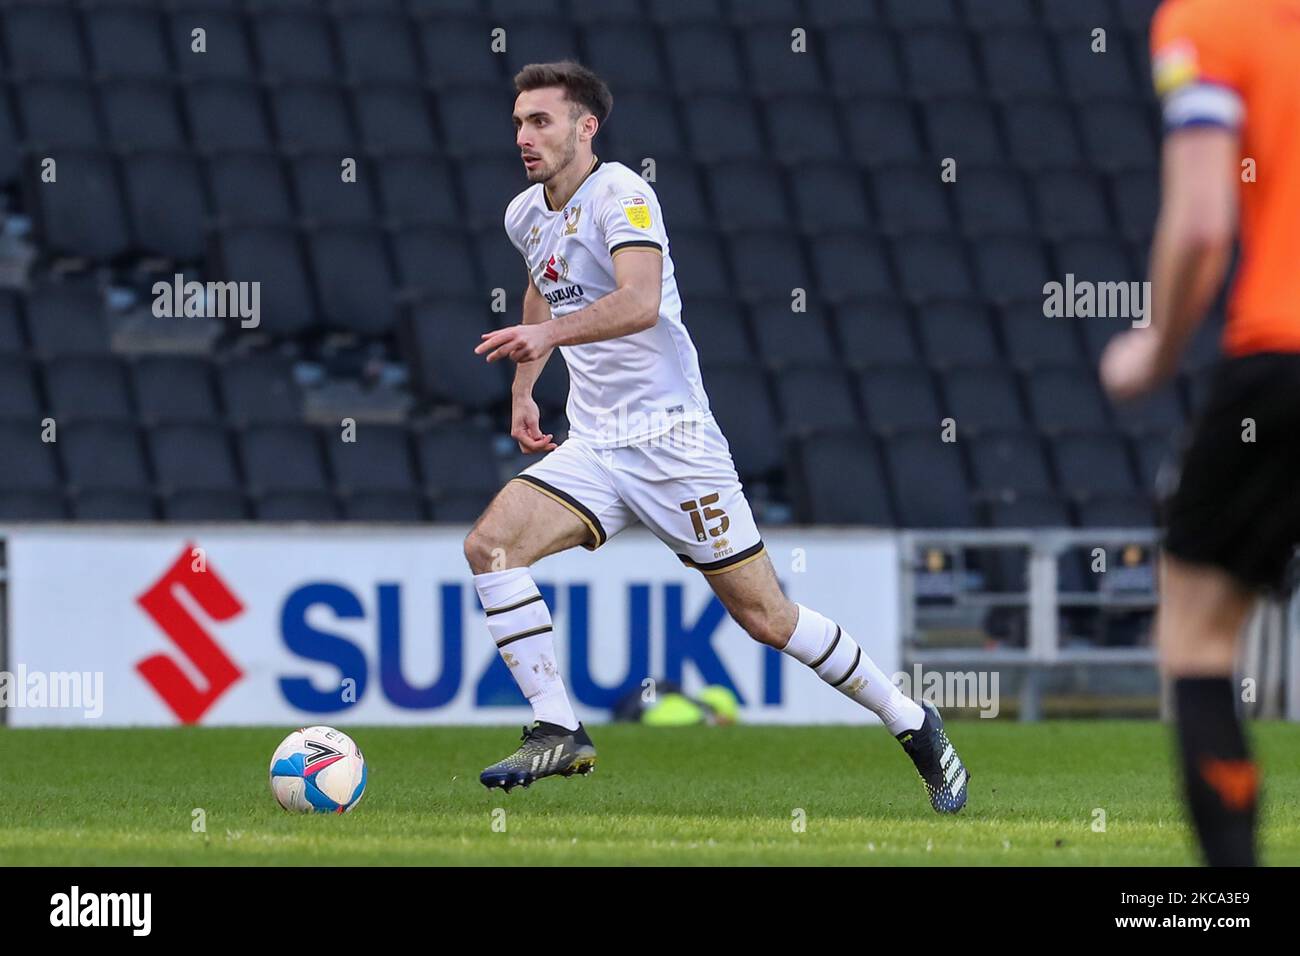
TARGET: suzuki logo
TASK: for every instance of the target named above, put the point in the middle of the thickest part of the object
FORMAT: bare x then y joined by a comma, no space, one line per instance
161,602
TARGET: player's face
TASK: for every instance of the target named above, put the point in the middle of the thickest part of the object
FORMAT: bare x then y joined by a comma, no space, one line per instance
545,132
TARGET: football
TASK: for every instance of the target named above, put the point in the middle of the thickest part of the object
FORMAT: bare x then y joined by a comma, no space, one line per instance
318,770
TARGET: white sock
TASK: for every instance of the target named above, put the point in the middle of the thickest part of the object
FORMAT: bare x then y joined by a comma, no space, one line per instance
838,660
520,624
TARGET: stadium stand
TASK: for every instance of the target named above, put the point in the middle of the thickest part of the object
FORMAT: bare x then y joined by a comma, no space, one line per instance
817,171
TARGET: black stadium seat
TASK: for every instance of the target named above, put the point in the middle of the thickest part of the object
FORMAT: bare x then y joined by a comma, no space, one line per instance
82,388
841,480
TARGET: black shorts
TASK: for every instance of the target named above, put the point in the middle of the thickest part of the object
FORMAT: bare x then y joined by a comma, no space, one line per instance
1233,503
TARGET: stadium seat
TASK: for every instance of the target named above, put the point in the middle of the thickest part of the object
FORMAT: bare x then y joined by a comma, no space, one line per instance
79,388
964,128
1034,340
65,318
282,458
863,62
732,188
939,62
227,54
742,405
849,267
12,339
932,268
774,68
1041,135
42,40
310,506
929,481
164,194
703,59
1092,464
354,280
767,264
456,460
377,47
957,333
803,129
910,199
881,130
174,390
537,38
85,216
416,190
899,399
325,198
274,259
786,337
249,189
455,54
1018,64
991,201
919,13
980,398
875,332
841,480
828,198
225,116
142,114
1065,399
102,457
438,338
293,45
717,327
815,397
377,461
192,458
312,117
204,506
1009,461
394,119
19,395
617,51
113,505
259,390
722,127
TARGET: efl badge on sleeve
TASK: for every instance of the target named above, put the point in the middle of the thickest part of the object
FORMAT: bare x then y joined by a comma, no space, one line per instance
637,211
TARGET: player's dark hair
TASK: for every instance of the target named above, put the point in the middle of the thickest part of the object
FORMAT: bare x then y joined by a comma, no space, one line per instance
582,87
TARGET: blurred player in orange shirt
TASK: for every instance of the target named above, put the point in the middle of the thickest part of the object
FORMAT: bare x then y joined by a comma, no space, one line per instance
1228,73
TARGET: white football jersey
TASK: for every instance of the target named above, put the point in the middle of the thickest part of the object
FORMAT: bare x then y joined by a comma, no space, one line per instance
622,391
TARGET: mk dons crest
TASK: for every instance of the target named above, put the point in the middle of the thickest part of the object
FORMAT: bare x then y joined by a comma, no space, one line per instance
571,216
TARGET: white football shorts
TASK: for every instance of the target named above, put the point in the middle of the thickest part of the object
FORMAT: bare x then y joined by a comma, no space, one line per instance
683,486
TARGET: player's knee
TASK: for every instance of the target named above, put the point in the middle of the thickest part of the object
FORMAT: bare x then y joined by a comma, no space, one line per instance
483,549
763,624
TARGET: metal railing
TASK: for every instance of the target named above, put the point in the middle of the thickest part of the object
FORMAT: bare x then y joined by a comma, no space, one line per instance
1269,651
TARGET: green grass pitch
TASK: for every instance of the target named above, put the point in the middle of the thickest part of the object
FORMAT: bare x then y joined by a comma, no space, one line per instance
659,796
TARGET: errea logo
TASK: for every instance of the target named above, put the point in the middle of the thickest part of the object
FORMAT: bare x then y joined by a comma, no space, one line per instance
74,908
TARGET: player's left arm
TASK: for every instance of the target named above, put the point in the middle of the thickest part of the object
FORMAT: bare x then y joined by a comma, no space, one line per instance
1200,54
1190,254
632,307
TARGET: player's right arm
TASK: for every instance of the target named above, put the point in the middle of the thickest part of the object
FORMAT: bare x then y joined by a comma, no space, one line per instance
525,418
